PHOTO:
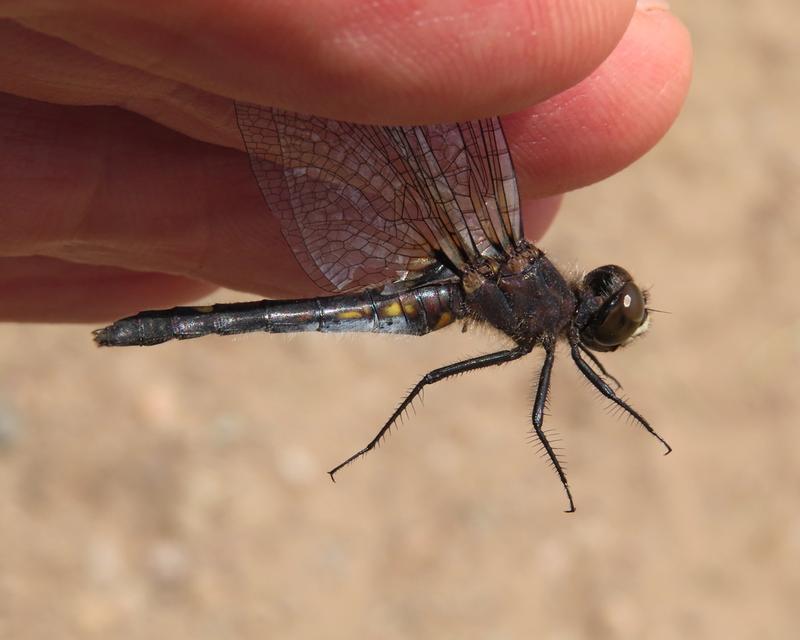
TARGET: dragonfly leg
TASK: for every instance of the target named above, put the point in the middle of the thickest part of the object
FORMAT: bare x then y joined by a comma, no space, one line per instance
608,392
436,375
599,365
537,418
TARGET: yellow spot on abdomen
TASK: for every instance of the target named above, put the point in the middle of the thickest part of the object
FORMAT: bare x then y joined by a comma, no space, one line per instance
410,309
206,309
391,310
352,314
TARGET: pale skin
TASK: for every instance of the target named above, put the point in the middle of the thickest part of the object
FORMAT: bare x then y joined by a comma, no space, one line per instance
147,200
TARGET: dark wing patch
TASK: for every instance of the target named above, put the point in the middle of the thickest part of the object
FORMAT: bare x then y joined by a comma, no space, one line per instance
364,205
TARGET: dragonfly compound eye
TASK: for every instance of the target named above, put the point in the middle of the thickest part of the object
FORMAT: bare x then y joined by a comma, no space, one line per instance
622,317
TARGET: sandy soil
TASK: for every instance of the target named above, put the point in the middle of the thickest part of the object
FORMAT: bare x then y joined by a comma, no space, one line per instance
181,492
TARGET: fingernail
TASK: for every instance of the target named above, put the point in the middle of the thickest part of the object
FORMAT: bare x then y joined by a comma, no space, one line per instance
649,5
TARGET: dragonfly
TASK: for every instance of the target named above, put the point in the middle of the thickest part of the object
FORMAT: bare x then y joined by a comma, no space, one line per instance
409,229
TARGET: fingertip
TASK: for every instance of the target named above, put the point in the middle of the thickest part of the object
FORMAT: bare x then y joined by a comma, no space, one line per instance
611,118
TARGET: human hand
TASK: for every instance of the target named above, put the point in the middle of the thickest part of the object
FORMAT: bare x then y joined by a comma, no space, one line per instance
105,212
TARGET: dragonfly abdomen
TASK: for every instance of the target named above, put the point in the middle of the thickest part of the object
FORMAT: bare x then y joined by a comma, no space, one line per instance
414,312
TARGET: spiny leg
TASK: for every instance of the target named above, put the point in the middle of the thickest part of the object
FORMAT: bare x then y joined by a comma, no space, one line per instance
436,375
608,392
599,365
538,419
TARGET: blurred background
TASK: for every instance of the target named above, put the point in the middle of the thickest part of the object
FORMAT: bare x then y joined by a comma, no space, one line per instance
180,492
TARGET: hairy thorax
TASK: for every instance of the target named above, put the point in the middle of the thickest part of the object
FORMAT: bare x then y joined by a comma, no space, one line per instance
527,299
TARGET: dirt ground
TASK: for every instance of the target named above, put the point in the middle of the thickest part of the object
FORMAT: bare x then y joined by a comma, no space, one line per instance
180,492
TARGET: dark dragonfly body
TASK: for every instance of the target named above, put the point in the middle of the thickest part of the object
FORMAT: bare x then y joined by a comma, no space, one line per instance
411,229
414,312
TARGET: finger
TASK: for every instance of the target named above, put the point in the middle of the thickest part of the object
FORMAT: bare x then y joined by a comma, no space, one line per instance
610,119
49,69
103,186
387,62
37,289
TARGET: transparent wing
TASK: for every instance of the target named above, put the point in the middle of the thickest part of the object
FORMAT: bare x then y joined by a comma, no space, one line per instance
366,205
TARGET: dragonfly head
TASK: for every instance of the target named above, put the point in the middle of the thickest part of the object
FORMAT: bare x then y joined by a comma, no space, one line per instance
612,309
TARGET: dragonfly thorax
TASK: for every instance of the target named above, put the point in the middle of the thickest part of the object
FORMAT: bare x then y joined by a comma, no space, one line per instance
529,300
